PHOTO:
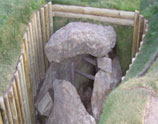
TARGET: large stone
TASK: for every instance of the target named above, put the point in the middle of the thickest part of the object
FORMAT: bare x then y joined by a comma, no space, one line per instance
105,64
68,108
79,38
101,89
45,105
116,72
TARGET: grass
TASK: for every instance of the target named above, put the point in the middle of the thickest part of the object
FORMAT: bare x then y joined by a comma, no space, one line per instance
127,103
129,5
151,44
14,15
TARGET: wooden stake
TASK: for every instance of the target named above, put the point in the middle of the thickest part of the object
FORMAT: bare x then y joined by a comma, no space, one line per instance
41,51
3,111
13,105
50,18
25,89
140,31
17,101
24,98
93,11
1,121
47,22
34,45
135,34
88,76
17,80
8,110
32,54
109,20
44,33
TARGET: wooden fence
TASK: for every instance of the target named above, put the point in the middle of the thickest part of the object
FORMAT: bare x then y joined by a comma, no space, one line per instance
17,102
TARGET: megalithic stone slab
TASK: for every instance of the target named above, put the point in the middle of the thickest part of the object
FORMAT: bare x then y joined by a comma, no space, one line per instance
78,38
68,108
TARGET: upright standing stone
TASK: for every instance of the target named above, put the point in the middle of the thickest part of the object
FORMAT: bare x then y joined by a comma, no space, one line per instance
68,108
101,89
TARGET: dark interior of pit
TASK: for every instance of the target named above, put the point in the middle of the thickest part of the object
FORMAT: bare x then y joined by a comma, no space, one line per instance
80,71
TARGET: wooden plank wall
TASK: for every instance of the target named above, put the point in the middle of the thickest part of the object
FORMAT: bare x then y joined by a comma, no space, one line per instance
17,103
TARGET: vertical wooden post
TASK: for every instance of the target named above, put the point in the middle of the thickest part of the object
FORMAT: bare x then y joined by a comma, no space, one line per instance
50,18
24,98
41,51
8,110
25,89
140,31
19,91
44,35
32,55
17,101
3,111
12,105
135,33
34,34
1,121
27,75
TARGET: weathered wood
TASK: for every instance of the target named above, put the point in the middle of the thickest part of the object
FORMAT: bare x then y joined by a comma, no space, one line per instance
34,34
50,18
1,121
93,11
140,31
109,20
46,13
90,61
32,54
3,111
28,116
23,93
88,76
13,105
8,110
146,24
19,91
17,102
135,33
44,35
148,65
47,30
41,50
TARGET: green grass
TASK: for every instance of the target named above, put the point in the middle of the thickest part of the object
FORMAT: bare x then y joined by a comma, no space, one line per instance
113,4
127,103
151,44
14,15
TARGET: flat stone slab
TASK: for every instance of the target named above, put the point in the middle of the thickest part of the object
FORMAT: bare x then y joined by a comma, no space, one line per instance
68,108
78,38
105,64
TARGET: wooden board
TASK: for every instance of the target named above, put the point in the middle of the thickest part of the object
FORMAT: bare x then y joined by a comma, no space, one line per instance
3,111
109,20
93,11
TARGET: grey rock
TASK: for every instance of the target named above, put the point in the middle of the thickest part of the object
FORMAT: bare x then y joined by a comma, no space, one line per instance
45,105
79,38
101,89
105,64
116,72
68,108
47,84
